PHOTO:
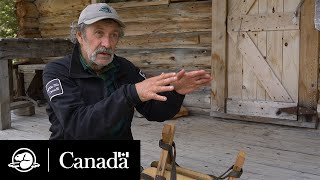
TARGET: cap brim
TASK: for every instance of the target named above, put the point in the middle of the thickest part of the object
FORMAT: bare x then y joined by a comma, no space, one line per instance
100,18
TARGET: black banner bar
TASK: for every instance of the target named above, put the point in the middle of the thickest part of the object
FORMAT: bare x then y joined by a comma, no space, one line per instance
43,158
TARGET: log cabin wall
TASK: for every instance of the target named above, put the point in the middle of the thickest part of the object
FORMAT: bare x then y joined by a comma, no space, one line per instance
159,36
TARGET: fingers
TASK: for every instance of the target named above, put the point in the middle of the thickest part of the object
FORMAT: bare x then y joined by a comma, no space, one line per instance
180,74
149,88
203,81
163,76
196,73
159,98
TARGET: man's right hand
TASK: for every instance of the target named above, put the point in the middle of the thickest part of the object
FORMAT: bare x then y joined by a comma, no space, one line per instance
149,88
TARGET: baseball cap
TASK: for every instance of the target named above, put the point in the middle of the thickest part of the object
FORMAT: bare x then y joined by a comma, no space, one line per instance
98,11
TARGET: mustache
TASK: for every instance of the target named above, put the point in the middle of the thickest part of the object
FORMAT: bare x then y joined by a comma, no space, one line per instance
103,50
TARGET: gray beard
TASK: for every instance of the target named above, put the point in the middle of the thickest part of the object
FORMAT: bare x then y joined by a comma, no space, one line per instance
94,57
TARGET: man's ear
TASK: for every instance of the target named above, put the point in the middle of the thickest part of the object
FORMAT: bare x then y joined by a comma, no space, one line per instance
79,37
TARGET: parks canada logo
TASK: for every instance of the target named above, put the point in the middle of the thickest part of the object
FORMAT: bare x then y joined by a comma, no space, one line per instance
23,160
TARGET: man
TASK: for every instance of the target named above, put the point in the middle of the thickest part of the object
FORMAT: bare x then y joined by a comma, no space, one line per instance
92,92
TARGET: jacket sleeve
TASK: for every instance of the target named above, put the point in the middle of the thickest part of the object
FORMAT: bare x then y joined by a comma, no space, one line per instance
85,121
158,110
161,111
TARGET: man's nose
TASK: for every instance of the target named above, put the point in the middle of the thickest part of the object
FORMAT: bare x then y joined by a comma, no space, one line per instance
106,42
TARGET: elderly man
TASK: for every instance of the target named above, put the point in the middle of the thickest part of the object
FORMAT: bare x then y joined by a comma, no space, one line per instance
92,92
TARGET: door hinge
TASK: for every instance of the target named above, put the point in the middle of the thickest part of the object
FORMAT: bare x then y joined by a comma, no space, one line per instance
300,111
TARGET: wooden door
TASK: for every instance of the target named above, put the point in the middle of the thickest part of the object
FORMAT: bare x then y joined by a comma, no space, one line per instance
266,64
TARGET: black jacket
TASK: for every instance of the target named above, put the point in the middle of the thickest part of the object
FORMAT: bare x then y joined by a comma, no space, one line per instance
79,107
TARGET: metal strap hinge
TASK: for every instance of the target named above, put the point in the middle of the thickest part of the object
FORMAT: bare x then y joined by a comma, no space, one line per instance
301,111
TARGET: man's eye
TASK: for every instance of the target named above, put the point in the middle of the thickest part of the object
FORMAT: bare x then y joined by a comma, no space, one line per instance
100,33
114,36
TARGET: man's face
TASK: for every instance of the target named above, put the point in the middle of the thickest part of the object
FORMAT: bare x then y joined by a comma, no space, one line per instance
99,43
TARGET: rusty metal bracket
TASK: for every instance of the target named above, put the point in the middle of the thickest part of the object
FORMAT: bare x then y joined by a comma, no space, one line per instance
301,111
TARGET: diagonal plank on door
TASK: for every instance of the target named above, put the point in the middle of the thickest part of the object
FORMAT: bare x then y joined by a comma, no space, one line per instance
260,67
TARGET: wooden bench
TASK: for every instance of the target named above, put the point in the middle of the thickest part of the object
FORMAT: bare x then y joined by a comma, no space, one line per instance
23,108
12,48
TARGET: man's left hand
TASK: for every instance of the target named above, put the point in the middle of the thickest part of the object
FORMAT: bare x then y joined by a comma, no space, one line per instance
190,81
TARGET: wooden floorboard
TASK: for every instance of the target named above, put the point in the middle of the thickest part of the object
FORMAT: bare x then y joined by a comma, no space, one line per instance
210,145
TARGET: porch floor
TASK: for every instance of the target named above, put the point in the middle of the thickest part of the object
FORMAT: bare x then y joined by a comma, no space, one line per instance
210,145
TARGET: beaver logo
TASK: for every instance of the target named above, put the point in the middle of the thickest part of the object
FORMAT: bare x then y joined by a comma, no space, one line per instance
23,160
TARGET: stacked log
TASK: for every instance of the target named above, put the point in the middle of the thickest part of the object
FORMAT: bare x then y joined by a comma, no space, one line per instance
28,15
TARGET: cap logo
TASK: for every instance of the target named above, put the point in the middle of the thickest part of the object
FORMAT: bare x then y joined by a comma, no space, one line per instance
105,9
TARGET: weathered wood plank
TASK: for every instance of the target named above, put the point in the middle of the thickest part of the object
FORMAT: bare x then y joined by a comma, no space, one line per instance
158,41
290,46
30,68
152,27
249,86
20,104
274,43
259,108
131,4
262,46
308,66
5,116
235,75
46,7
262,22
218,61
176,11
174,58
290,75
33,48
240,7
263,120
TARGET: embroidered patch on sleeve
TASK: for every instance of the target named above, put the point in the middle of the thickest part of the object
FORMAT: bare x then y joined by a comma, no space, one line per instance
54,88
142,74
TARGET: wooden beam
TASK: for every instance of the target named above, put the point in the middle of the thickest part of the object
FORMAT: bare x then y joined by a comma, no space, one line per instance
308,67
260,108
20,104
33,48
264,120
218,55
119,5
5,116
262,22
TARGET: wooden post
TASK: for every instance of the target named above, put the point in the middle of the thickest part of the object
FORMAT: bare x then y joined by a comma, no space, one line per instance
308,67
218,56
5,116
10,74
239,163
167,137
